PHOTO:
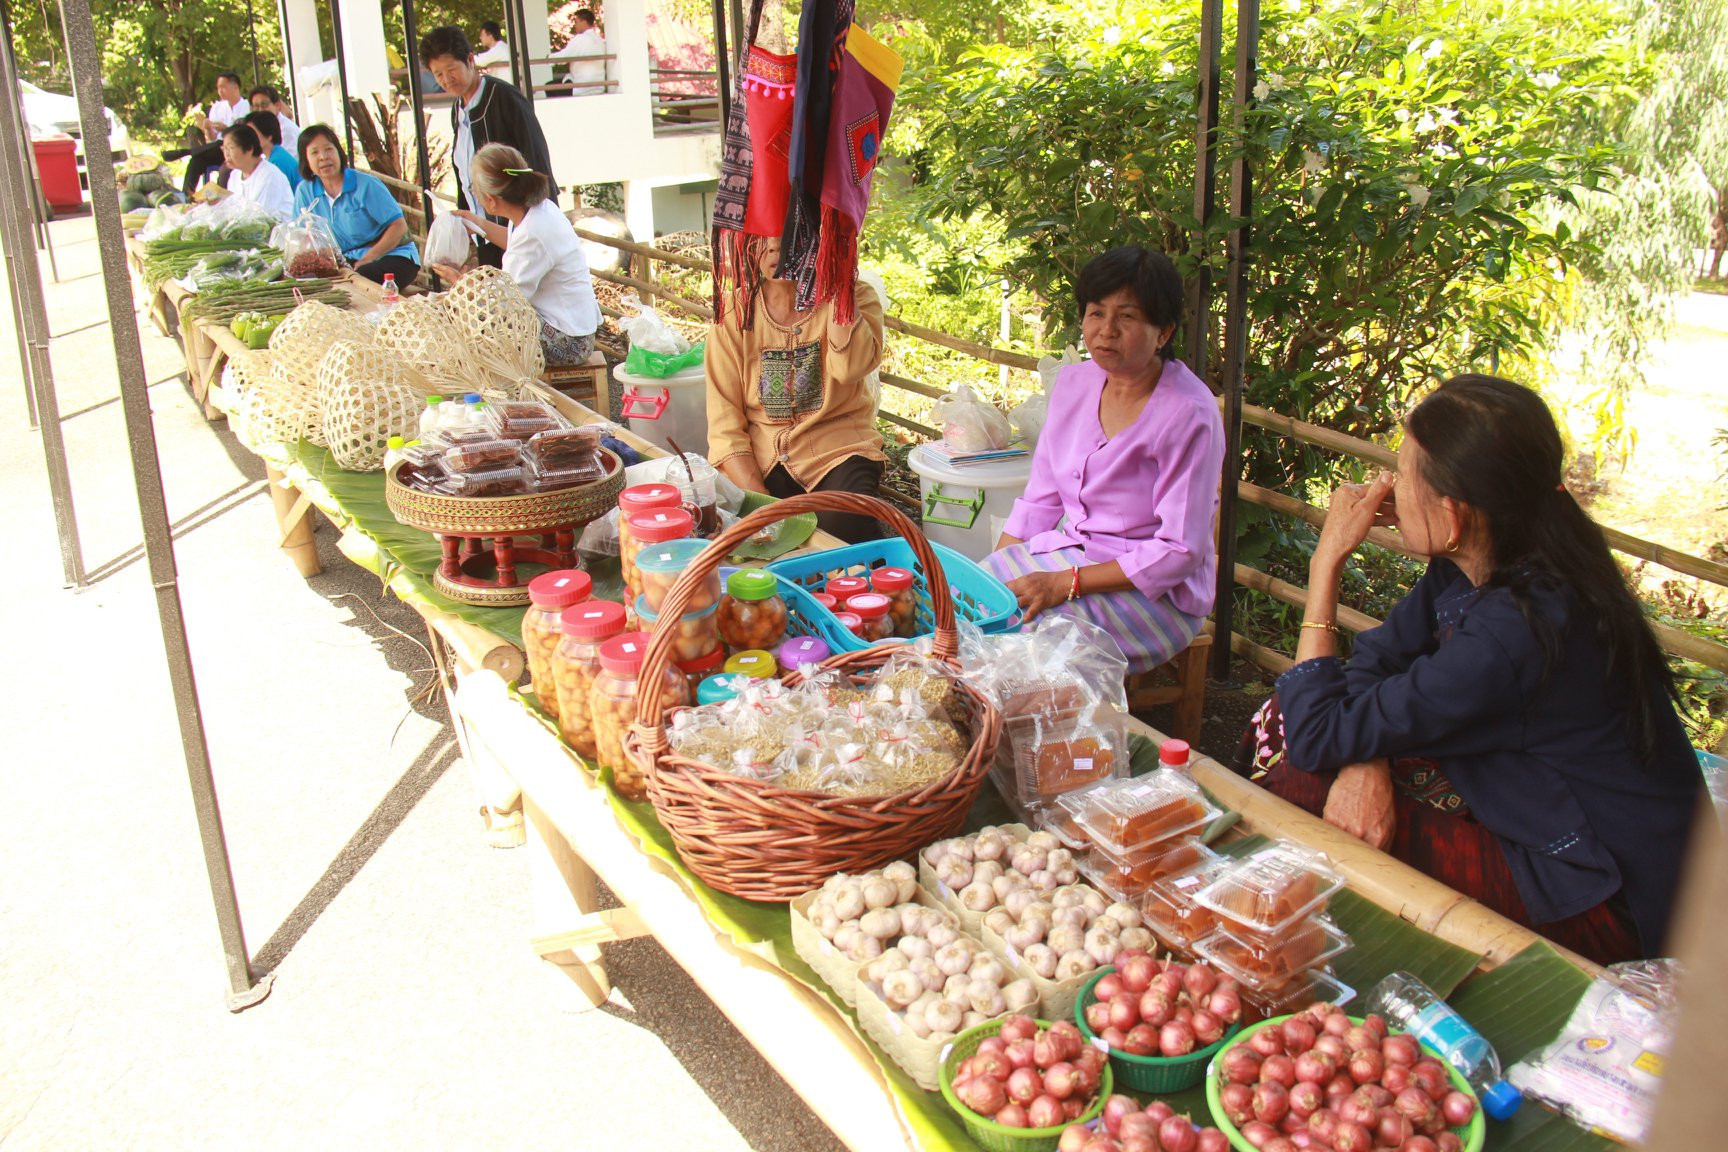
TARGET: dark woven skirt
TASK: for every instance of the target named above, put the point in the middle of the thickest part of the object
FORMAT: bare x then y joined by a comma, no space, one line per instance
1436,834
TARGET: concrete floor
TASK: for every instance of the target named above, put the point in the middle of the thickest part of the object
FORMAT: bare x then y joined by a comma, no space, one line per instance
408,1010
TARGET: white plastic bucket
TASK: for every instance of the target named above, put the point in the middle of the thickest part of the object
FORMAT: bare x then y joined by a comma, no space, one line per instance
965,508
663,410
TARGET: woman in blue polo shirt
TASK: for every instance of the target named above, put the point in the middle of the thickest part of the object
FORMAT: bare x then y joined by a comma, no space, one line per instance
361,212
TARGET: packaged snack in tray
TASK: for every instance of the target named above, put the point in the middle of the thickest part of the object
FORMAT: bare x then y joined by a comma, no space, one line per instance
491,482
1261,961
1127,876
430,477
1315,986
482,456
1272,888
520,419
559,448
556,479
421,454
1169,906
1125,814
457,437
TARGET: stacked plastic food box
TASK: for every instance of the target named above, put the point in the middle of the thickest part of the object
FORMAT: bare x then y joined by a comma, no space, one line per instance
1262,919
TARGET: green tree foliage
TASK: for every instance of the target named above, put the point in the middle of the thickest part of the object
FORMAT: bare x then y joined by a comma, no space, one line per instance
158,56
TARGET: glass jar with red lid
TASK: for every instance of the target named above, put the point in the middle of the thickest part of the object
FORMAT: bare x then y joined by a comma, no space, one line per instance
612,703
575,664
549,594
901,588
872,609
641,498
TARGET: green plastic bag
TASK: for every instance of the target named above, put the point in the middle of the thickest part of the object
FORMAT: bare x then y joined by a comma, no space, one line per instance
659,365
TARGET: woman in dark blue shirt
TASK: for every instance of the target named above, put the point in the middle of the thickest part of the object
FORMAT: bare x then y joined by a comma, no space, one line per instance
1510,728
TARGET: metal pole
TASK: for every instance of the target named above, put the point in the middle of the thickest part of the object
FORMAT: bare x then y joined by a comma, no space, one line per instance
519,9
1205,184
26,277
85,56
722,66
1235,329
342,74
514,35
420,151
17,135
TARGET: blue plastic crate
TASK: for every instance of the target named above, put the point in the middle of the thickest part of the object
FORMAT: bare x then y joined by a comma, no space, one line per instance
979,597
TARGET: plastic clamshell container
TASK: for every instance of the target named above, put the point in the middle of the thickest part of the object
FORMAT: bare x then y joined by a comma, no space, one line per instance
1122,815
1128,876
1266,962
554,479
507,481
1272,888
558,448
520,419
1170,910
1315,986
483,455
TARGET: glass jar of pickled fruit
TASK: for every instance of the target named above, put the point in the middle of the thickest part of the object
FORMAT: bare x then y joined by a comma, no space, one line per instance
549,594
752,613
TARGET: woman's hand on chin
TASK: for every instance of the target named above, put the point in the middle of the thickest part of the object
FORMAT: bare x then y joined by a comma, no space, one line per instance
1360,802
1353,510
1040,591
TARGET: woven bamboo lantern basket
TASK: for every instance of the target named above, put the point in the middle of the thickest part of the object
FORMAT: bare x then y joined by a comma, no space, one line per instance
762,842
365,396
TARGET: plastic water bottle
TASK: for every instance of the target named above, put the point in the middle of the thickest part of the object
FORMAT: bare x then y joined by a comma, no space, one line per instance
393,452
473,407
429,416
391,296
1409,1004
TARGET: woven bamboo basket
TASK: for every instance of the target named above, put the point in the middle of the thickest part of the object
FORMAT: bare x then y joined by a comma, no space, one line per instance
762,842
493,516
365,396
501,325
245,373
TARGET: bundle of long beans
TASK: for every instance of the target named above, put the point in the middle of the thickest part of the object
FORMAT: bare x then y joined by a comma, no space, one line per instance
166,260
224,300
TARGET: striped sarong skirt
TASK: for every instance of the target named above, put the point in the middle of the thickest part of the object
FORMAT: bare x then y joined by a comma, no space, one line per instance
1149,632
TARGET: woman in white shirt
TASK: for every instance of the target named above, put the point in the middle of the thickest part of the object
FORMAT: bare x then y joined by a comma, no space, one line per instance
253,178
541,251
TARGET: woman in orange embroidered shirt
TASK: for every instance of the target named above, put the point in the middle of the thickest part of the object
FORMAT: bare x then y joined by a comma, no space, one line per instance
788,409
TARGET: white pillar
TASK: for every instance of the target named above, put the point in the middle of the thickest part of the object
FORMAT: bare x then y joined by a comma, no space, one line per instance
299,22
639,210
367,63
537,39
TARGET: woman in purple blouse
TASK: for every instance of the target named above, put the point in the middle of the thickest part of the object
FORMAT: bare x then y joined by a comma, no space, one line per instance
1116,522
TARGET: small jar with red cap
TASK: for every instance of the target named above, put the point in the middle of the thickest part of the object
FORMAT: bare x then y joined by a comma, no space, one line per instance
1176,754
752,613
641,498
871,608
612,702
696,671
576,663
901,588
826,601
549,594
661,526
843,588
851,621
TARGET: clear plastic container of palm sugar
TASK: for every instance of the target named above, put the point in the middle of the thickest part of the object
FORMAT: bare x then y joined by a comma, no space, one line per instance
1122,815
549,594
1273,887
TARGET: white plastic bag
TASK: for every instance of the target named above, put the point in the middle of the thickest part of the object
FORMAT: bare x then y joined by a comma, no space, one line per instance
1605,1068
1029,415
969,423
447,241
649,330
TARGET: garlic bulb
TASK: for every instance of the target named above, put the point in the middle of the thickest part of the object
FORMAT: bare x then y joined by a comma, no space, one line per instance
845,935
954,958
905,880
882,923
1095,902
849,901
942,935
960,848
987,870
1017,901
1019,995
977,897
1006,885
1126,915
1044,881
989,847
944,1016
826,922
987,967
1102,946
1044,841
1069,896
1072,964
928,973
901,988
916,947
1140,938
865,947
935,852
1073,916
1066,938
1021,937
998,920
879,892
1042,959
973,1019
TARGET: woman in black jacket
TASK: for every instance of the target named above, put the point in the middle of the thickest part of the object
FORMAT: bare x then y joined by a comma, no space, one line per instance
487,111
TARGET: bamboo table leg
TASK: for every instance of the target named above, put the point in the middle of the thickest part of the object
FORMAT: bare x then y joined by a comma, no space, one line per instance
567,902
294,524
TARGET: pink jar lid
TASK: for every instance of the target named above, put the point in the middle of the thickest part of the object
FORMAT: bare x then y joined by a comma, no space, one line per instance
647,497
594,620
850,621
869,605
660,525
622,655
827,601
563,588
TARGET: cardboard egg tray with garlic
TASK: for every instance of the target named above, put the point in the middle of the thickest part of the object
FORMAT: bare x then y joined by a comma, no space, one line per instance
1059,940
827,735
973,874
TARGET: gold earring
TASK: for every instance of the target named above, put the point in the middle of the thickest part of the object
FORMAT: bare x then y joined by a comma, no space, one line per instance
1452,545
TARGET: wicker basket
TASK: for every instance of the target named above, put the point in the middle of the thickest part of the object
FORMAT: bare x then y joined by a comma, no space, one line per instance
493,516
763,842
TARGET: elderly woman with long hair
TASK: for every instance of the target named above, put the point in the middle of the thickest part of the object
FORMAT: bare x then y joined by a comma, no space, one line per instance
1510,728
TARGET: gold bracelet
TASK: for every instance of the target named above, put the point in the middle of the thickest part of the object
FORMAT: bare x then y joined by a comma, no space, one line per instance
1332,628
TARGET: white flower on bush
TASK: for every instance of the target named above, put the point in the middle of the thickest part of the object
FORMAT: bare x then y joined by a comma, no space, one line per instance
1277,81
1418,193
1427,123
1312,162
1402,115
1434,49
1442,151
1262,90
1447,116
1166,69
1547,79
1113,35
